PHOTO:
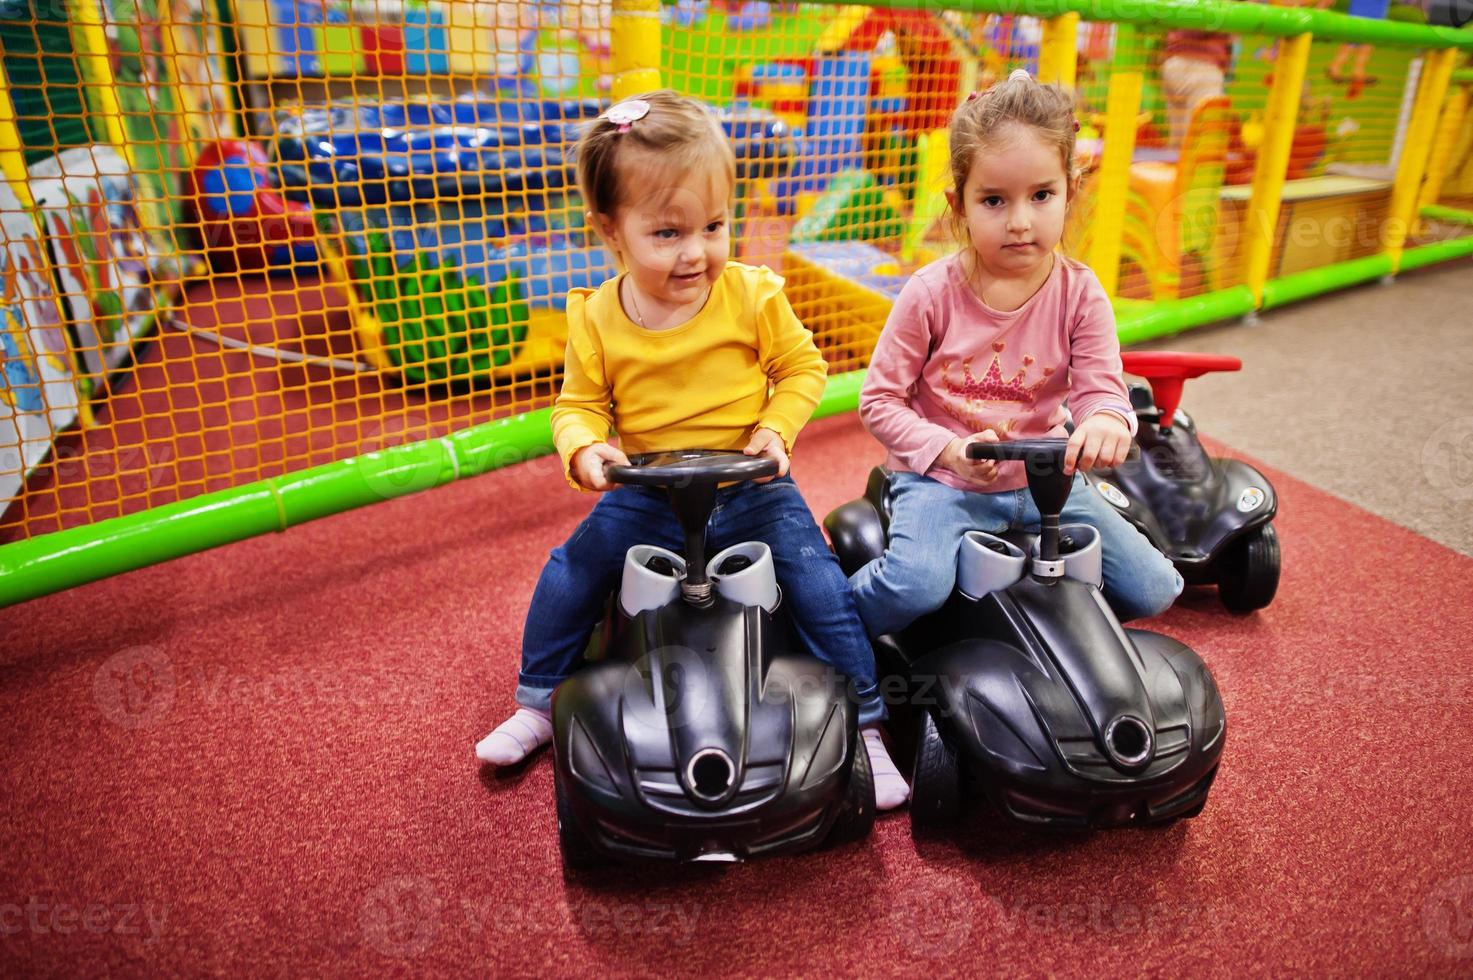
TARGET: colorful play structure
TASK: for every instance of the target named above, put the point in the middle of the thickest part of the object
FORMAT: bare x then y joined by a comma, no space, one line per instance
1158,224
413,159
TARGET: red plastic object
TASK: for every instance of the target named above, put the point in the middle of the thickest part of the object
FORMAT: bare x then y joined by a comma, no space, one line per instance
383,49
1168,370
933,74
247,241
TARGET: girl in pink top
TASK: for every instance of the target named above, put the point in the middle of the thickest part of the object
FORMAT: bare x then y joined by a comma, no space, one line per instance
987,345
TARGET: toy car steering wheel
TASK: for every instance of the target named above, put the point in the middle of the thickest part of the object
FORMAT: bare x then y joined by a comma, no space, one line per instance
690,478
691,467
1168,370
1041,453
1047,482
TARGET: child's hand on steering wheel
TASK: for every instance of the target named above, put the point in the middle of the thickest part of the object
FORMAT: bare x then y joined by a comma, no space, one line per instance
1099,442
766,442
590,461
977,472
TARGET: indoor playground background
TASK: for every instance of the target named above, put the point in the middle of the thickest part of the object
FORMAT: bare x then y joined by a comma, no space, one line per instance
267,260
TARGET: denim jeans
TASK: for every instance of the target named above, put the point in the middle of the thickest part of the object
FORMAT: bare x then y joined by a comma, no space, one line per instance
918,569
581,574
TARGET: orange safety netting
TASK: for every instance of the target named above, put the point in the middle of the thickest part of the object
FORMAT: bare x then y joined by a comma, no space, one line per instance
247,238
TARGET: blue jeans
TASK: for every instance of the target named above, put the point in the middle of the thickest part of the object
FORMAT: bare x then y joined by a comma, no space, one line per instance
917,572
581,574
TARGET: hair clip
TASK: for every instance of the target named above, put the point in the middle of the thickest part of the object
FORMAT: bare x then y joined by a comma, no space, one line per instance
627,113
972,95
1076,125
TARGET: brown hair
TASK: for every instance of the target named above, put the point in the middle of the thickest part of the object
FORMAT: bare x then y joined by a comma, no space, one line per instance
678,134
981,120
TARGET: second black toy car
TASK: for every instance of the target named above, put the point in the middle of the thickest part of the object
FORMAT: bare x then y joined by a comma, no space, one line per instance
1212,517
1026,689
701,731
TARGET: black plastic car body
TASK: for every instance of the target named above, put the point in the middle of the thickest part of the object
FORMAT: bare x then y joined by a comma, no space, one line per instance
1212,517
701,730
1032,694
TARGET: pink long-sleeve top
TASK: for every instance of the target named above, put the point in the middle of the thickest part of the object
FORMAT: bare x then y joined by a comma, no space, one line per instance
949,365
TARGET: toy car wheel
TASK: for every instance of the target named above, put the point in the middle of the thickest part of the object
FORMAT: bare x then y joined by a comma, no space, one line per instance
1248,572
578,850
857,815
935,800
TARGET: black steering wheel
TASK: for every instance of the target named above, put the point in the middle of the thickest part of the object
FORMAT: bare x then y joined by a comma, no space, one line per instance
690,478
691,468
1038,453
1047,482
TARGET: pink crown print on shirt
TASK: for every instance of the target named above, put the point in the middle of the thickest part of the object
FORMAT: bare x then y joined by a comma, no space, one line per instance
993,389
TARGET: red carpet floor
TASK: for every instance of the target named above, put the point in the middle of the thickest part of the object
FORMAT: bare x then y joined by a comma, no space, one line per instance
258,761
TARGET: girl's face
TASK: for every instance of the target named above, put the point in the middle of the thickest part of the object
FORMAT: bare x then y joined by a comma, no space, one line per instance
674,241
1014,202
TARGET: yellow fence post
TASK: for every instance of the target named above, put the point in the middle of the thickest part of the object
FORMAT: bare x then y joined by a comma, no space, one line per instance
1407,190
634,47
170,46
90,41
1058,57
1122,106
257,55
1458,182
1267,195
12,154
1442,152
192,260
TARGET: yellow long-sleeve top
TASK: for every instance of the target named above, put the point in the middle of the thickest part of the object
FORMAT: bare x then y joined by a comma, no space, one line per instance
743,362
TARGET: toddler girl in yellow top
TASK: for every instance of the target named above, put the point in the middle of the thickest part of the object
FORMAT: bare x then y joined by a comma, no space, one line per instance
682,350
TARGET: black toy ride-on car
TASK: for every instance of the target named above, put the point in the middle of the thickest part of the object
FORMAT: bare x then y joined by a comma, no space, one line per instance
1025,688
1212,517
700,730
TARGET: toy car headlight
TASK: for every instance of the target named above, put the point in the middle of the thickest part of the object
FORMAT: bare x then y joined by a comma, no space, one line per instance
585,762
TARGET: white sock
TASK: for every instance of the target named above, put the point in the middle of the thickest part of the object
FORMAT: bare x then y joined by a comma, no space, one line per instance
890,788
516,738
